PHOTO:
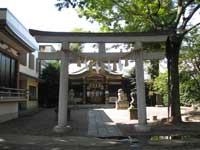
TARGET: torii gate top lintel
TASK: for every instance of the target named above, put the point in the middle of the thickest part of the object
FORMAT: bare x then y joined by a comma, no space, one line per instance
101,37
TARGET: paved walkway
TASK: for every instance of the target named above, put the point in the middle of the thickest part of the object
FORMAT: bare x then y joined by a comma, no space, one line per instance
100,125
116,123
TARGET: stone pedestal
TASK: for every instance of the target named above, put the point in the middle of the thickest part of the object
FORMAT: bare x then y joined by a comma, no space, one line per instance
142,128
133,114
62,129
121,104
154,118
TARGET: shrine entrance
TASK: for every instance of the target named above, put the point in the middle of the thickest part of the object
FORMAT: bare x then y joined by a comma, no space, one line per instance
138,42
95,89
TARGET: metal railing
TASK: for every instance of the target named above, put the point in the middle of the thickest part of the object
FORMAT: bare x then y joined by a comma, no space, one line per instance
12,94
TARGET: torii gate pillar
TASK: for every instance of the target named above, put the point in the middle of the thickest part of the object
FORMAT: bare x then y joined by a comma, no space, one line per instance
140,87
63,91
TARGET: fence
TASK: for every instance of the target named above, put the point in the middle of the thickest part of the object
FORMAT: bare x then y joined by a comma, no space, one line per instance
13,94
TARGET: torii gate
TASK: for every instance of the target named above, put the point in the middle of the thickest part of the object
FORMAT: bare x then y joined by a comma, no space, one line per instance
65,38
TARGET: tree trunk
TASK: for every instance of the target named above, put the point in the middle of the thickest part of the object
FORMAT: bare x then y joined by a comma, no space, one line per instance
153,70
172,50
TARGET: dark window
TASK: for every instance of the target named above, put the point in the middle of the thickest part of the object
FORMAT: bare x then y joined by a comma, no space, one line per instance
31,61
32,93
3,70
0,67
23,59
7,71
13,73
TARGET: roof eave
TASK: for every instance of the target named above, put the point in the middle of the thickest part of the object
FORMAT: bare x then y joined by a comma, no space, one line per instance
13,27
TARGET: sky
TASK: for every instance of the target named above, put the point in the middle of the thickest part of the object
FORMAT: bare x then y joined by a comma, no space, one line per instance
43,15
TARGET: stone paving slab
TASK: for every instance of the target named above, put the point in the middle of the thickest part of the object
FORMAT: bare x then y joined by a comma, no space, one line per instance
27,142
100,125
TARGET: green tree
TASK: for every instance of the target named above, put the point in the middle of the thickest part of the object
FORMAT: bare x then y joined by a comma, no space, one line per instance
190,69
189,64
49,88
145,15
131,76
160,86
153,71
125,15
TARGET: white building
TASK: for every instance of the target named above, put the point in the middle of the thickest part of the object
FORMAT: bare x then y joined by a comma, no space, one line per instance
15,43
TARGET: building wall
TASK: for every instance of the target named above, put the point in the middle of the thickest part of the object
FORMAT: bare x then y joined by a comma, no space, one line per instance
25,83
8,111
28,80
32,103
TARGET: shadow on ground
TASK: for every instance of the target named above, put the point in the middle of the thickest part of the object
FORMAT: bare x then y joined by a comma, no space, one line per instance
42,123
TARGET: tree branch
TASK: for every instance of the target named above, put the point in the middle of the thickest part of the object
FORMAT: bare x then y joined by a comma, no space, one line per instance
181,10
196,64
190,16
159,6
151,17
197,81
188,30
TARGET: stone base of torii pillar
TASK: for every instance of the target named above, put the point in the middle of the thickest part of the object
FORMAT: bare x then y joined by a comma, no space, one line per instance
142,128
59,129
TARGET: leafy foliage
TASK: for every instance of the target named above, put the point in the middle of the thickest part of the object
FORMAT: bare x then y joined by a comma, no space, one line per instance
190,68
189,89
160,86
49,88
132,78
125,15
189,72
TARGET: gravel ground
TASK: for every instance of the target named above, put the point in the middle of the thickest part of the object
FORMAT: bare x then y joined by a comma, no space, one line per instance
42,123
